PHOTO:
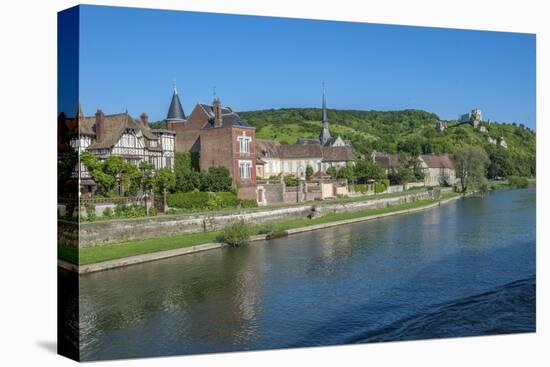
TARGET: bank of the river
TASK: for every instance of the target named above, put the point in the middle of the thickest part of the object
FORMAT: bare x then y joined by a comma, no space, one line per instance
134,252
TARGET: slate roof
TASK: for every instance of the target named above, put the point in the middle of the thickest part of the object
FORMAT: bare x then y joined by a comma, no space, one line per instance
175,111
308,141
267,148
298,151
386,160
437,161
338,154
229,118
272,149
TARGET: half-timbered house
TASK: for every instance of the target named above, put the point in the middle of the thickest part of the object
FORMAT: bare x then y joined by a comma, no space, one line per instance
122,135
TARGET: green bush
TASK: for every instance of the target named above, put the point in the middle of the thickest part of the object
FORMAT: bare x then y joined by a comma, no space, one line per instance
386,182
194,200
198,200
267,228
236,234
228,199
153,212
518,182
291,180
129,211
379,187
108,212
248,203
362,188
90,212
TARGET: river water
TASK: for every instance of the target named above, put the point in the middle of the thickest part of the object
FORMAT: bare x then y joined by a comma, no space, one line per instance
465,268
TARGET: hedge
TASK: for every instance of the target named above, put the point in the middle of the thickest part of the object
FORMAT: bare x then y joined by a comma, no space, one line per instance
198,200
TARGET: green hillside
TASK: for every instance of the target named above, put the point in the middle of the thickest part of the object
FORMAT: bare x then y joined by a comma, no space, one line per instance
408,131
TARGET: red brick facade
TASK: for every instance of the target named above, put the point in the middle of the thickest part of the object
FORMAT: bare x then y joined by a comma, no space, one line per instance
219,146
188,132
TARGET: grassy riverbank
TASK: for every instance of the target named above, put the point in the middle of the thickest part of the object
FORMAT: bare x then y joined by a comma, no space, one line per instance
120,250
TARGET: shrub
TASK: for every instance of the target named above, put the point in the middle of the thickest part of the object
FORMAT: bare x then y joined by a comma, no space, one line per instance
236,234
214,202
153,212
198,200
90,212
379,187
108,212
291,180
194,200
228,199
248,203
267,228
362,188
129,211
518,182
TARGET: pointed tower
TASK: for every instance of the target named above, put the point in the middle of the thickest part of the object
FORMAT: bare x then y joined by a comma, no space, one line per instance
175,111
325,133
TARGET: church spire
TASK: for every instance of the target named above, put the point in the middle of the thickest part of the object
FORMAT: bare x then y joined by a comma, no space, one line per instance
325,133
175,111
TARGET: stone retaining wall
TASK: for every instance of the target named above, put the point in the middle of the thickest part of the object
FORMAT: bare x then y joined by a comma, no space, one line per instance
104,232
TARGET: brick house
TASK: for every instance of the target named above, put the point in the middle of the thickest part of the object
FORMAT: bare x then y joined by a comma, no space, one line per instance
220,137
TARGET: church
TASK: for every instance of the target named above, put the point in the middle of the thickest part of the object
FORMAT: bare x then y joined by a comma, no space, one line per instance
274,159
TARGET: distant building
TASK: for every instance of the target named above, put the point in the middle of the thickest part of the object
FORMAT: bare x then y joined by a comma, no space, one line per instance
385,160
438,169
275,159
292,159
473,118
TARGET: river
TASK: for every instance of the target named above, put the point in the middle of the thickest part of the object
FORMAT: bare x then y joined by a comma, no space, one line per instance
466,268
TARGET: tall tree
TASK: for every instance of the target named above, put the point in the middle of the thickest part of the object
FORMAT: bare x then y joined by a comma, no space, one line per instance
471,166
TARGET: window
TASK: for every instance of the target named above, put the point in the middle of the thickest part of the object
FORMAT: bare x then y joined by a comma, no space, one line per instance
244,144
245,168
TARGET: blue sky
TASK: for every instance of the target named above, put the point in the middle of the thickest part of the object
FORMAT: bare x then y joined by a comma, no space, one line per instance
130,57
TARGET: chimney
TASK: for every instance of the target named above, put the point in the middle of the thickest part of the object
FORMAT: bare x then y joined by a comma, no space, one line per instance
217,105
144,117
99,125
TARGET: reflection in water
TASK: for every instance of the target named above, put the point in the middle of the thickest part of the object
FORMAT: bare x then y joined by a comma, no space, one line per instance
355,283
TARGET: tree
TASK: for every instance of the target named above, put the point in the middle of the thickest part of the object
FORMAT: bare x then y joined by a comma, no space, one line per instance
106,182
400,174
331,171
366,170
147,177
216,179
164,180
187,176
309,171
346,172
471,165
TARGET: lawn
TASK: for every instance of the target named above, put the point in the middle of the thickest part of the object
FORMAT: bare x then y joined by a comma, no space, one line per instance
97,254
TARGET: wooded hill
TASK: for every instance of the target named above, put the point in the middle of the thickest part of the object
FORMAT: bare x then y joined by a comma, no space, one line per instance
408,131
